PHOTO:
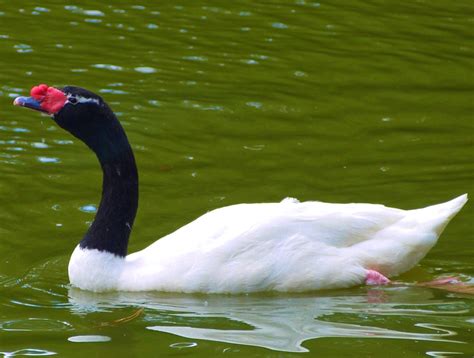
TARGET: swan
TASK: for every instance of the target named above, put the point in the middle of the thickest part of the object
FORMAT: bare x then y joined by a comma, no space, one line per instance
289,246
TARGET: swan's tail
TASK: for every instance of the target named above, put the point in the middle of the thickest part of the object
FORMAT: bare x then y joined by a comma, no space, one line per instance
436,217
403,244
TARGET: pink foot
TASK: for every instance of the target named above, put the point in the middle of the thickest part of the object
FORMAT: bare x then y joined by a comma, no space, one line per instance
373,277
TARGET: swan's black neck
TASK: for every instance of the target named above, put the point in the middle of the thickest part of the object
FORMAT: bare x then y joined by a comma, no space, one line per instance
113,222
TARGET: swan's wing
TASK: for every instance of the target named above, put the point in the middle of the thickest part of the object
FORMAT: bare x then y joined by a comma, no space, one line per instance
289,246
336,225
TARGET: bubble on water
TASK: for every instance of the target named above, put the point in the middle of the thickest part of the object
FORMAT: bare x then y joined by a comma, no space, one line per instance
152,26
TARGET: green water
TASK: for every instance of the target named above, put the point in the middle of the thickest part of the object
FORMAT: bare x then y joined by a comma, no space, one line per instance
229,102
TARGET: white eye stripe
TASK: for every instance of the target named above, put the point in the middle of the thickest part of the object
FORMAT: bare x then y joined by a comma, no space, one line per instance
74,99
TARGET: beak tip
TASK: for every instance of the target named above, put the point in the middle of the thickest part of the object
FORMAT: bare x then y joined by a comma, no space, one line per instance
18,101
28,102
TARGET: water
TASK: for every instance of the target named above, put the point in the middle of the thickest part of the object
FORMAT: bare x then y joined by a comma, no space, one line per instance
227,103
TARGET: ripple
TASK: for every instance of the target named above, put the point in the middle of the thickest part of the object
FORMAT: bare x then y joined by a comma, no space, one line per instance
257,147
14,129
48,160
250,61
89,339
279,25
195,58
63,141
183,345
257,105
39,145
210,107
41,9
34,325
112,91
90,208
23,48
93,21
105,66
93,13
28,352
79,10
300,74
441,354
154,102
145,69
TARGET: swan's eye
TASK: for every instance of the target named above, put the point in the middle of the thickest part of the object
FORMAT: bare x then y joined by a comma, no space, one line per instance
75,99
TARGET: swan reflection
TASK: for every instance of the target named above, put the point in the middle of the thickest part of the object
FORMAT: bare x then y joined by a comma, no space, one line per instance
277,322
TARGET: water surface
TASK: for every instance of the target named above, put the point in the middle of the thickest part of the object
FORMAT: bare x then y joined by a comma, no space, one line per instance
344,101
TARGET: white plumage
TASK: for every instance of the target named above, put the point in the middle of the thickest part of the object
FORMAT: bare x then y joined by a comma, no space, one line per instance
288,246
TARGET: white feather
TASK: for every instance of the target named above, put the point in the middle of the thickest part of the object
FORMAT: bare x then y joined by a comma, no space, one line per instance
287,246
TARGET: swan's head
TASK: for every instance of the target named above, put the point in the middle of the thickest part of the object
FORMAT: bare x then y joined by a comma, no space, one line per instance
77,110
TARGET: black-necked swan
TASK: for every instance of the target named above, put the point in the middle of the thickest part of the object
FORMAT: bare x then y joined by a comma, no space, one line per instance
289,246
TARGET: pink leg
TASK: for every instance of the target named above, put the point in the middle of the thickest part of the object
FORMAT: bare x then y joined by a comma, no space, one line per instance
373,277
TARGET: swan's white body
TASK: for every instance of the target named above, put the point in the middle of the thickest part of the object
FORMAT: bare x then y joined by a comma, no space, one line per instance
287,246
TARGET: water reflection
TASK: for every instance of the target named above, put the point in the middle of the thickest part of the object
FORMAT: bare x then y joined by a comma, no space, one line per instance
281,323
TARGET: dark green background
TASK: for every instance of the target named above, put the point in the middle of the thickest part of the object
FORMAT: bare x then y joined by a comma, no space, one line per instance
229,102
